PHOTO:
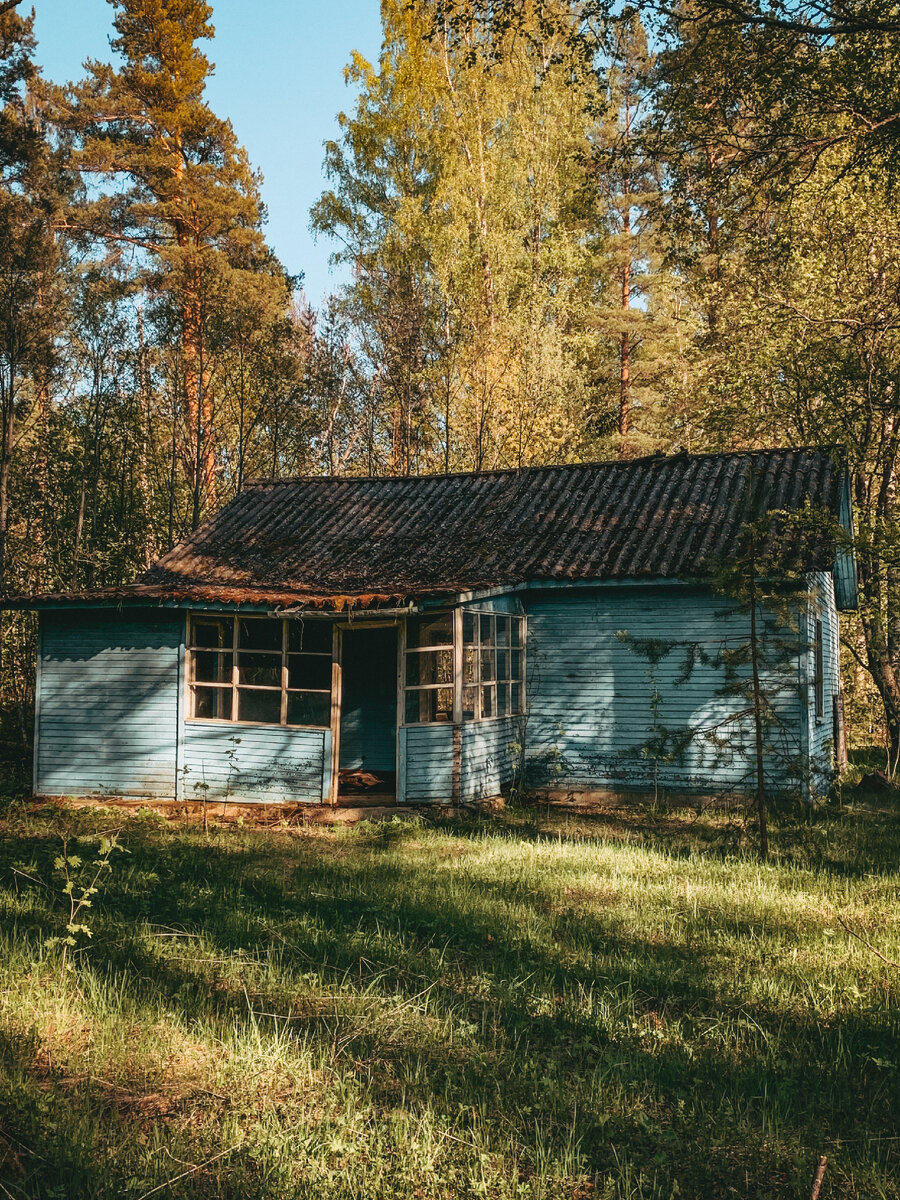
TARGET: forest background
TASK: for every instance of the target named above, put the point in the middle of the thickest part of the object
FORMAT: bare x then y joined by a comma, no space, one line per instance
569,231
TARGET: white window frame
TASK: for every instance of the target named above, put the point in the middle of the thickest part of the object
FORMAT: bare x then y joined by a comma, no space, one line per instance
477,684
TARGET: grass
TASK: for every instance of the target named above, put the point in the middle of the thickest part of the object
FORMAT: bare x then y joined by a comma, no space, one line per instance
533,1006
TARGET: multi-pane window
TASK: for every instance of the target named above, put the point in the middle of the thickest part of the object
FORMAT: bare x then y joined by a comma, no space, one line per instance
492,667
261,670
429,675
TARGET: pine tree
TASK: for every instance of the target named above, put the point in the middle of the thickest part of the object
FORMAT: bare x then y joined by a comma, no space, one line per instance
176,186
30,191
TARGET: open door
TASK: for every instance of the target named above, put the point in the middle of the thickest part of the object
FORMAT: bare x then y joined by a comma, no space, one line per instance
367,726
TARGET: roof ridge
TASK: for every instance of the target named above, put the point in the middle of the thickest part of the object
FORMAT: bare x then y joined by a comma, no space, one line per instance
643,460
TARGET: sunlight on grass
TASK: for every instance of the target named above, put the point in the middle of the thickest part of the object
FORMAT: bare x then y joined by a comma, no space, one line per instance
533,1007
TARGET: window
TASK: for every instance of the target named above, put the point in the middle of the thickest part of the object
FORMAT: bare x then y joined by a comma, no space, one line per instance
491,650
819,671
428,673
259,670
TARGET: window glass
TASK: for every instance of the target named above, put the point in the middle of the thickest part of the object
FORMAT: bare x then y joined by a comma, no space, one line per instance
212,667
470,665
430,631
492,667
261,707
259,670
212,631
260,665
308,708
309,671
429,666
312,637
259,633
429,705
212,703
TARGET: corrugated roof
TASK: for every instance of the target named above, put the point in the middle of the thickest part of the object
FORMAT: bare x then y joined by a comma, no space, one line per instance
377,541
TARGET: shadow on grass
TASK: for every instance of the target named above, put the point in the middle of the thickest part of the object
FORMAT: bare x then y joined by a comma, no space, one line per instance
488,1003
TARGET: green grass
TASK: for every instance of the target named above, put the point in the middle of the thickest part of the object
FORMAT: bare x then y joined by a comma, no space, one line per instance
532,1006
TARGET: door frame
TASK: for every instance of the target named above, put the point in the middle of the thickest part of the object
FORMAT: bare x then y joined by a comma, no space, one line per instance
337,687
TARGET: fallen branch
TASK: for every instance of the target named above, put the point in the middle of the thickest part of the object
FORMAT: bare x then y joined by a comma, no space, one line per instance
817,1178
868,945
190,1171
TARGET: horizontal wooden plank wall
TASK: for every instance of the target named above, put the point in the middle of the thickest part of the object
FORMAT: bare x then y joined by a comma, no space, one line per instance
490,753
821,729
591,694
108,705
255,763
427,754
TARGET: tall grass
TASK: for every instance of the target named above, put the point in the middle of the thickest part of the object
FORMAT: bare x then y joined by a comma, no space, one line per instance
522,1007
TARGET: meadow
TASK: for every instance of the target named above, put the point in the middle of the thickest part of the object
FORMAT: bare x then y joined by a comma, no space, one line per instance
533,1005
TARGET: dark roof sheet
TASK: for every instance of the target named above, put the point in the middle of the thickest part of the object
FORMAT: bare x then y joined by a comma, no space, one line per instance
376,541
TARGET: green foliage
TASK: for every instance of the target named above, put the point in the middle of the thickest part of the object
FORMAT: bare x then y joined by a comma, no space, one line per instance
81,881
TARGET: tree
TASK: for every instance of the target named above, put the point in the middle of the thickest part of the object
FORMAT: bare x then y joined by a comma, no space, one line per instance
176,187
457,197
30,186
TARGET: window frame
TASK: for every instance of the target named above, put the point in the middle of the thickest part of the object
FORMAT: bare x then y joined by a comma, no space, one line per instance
819,668
477,684
235,686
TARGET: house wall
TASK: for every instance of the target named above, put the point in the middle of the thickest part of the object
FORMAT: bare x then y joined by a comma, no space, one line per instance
603,716
264,763
426,758
108,701
490,751
820,735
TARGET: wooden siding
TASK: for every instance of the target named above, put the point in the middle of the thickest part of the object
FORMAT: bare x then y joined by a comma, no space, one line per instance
497,604
490,753
109,705
426,755
264,763
821,729
592,696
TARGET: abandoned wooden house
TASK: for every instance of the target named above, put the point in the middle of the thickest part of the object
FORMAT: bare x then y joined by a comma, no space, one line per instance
556,627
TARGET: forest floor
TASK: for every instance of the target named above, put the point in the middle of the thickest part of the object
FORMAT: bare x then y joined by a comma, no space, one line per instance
531,1005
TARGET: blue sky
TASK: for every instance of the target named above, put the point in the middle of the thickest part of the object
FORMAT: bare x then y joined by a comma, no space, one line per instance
279,78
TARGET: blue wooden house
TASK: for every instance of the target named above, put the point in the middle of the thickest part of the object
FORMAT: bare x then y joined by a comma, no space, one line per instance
445,635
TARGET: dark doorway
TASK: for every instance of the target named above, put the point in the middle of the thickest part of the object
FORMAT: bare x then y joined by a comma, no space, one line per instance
368,747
